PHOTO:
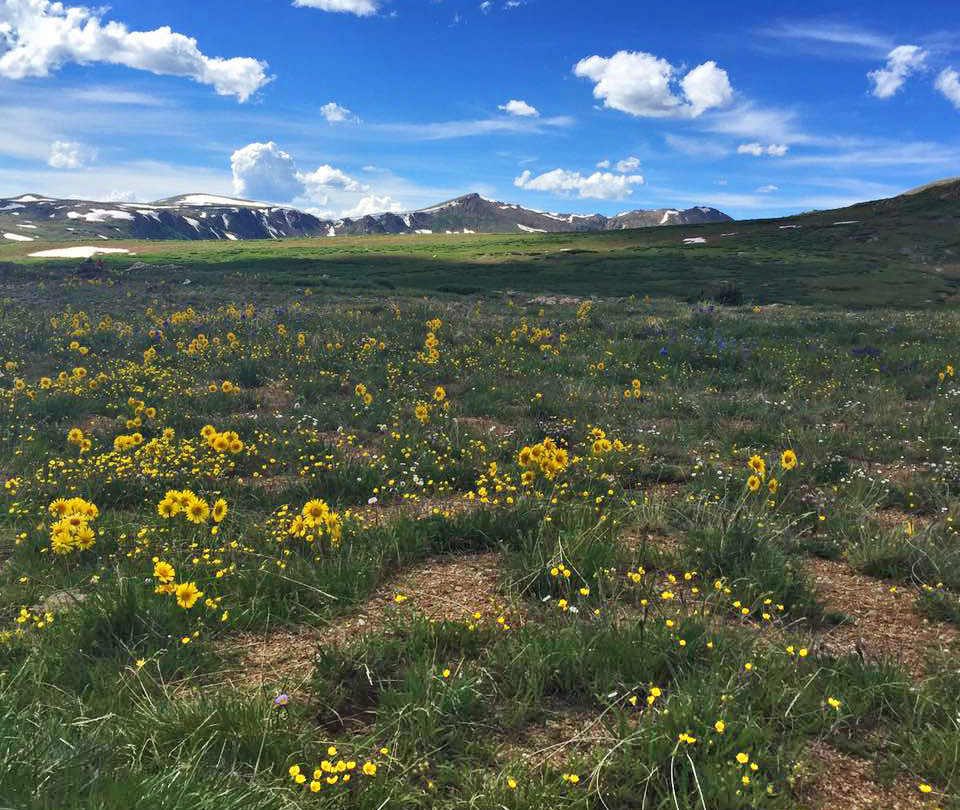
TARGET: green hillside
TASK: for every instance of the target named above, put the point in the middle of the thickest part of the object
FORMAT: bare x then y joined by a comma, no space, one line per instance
903,251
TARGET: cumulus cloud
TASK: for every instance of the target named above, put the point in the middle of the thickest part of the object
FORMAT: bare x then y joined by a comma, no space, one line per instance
70,155
263,171
759,150
597,186
39,36
628,165
327,177
485,6
641,84
362,8
948,83
335,114
768,189
372,205
901,62
603,164
520,108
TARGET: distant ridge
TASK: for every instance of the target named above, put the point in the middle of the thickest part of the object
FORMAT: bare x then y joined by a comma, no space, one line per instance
34,217
935,184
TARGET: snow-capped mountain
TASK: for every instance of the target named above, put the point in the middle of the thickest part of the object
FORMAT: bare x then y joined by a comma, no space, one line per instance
32,217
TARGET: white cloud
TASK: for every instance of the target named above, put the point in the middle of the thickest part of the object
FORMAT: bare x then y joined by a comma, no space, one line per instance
520,108
948,83
443,130
485,6
597,186
117,196
901,62
327,177
603,164
628,165
70,155
372,205
768,189
748,120
362,8
335,114
696,147
264,171
643,85
830,34
759,150
39,36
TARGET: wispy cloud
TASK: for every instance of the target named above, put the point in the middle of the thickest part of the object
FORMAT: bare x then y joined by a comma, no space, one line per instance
443,130
823,36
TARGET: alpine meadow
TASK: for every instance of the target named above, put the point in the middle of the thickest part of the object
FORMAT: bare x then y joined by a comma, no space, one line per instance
566,417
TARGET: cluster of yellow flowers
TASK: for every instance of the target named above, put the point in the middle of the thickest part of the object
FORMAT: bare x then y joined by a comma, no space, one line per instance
192,507
602,445
225,387
72,531
315,520
333,772
361,391
431,354
947,372
75,436
125,442
635,390
186,593
788,460
546,456
226,442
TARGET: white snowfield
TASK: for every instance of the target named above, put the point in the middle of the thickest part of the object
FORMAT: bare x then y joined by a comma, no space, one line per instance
667,214
76,252
695,240
847,222
530,230
210,199
18,237
100,215
25,198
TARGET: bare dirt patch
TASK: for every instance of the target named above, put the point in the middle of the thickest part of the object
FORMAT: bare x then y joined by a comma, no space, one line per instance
884,620
834,780
444,589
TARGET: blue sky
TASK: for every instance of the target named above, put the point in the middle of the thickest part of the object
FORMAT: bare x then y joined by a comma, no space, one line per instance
352,106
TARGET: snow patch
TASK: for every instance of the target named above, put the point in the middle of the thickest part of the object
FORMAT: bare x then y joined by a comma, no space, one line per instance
100,215
440,207
788,227
695,240
231,236
530,230
11,207
424,230
667,214
194,222
76,252
847,222
17,237
212,199
31,227
30,198
331,231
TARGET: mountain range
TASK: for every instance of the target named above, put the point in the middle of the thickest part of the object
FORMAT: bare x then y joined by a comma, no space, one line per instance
33,217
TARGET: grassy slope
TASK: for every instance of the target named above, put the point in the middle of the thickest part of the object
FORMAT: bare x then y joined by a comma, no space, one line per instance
900,252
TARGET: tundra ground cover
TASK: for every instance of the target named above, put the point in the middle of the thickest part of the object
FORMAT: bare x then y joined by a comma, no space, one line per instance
277,549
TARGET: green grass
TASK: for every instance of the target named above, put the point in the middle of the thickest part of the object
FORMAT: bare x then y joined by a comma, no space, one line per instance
643,569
